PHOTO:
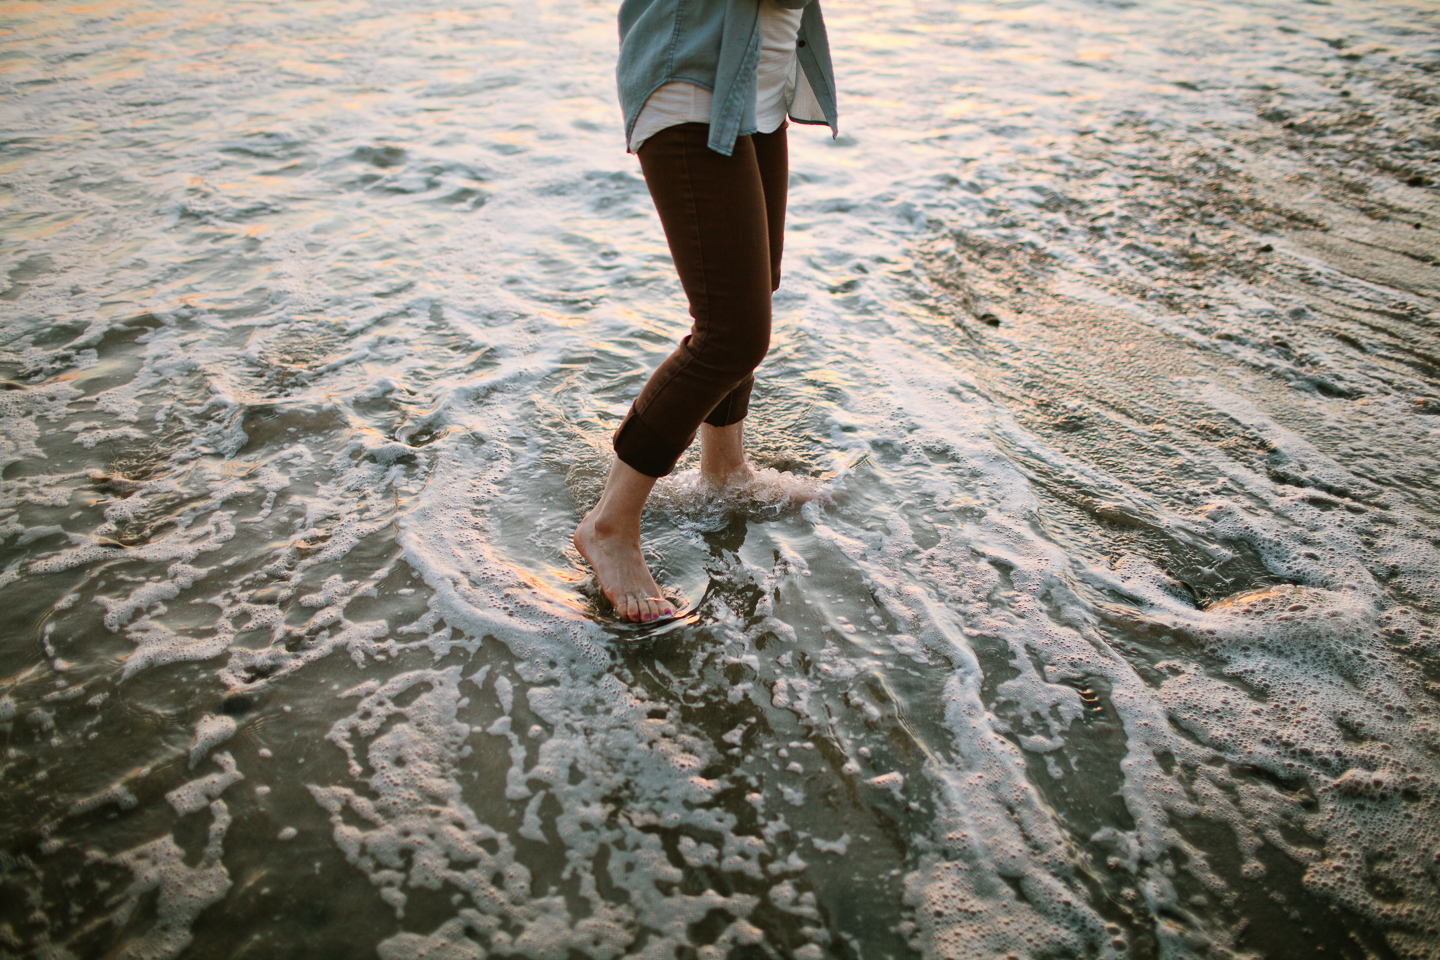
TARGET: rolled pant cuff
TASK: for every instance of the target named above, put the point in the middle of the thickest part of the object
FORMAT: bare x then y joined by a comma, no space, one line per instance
733,408
645,450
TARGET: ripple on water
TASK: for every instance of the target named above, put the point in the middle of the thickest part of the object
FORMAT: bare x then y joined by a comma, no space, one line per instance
1083,601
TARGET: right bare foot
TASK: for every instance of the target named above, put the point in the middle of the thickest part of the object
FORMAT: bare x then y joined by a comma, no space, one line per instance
735,477
722,455
620,567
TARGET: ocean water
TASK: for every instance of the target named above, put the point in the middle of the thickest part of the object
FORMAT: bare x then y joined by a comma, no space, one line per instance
1106,364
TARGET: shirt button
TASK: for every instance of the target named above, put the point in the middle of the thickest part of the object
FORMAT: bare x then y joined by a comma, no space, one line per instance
800,43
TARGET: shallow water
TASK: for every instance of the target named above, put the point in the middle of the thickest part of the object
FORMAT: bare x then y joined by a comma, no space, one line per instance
1108,349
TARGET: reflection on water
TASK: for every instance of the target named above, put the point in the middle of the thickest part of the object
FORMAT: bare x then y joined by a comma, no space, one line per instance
1106,366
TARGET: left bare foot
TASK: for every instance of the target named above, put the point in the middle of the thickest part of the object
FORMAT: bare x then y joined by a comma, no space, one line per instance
621,569
609,538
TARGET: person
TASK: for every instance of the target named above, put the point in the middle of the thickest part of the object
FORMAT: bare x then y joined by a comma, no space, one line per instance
706,87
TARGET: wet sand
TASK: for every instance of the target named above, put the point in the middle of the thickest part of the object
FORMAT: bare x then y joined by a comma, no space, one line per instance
1107,366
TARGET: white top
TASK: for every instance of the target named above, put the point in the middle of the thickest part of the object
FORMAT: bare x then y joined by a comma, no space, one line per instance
682,102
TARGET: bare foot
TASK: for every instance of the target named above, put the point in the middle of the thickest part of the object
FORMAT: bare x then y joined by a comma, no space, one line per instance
722,455
620,567
735,476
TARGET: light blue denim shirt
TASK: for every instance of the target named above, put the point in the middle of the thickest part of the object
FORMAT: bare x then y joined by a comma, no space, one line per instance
715,44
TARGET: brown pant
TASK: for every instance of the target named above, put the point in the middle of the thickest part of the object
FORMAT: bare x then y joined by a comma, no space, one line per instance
725,220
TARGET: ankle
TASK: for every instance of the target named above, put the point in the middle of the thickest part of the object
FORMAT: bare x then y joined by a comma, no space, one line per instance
729,474
722,450
608,527
722,466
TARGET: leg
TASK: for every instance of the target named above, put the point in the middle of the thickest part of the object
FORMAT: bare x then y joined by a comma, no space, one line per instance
772,156
609,537
715,215
722,451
